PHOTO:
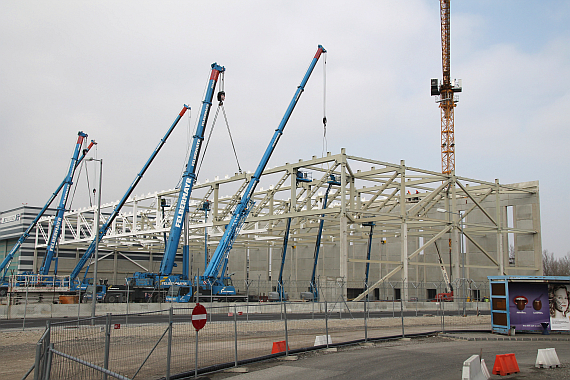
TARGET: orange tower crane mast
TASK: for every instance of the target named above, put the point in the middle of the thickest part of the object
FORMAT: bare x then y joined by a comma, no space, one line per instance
445,91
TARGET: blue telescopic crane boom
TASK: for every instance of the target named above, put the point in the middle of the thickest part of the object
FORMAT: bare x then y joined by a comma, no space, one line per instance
189,176
103,230
217,264
58,220
22,239
313,285
371,225
280,288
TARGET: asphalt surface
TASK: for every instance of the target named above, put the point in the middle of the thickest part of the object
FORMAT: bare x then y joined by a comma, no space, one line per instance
439,358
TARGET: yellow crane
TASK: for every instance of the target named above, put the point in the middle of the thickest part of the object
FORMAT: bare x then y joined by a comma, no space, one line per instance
444,93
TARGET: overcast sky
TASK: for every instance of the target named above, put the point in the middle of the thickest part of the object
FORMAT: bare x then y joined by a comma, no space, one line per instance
122,70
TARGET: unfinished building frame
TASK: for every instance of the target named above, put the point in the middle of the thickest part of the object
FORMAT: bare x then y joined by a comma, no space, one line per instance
479,228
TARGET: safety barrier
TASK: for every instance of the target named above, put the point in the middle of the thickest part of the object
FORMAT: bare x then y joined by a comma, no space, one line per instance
547,358
475,368
156,344
505,364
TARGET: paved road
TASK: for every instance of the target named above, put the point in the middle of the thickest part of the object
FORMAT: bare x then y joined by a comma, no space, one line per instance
434,358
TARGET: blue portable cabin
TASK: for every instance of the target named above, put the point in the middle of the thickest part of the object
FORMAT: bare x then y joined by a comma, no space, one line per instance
510,307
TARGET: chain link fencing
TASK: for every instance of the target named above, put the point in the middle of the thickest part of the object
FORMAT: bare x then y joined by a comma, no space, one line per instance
164,344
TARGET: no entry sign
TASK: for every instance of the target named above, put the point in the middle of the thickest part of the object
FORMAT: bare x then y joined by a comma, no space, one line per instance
199,316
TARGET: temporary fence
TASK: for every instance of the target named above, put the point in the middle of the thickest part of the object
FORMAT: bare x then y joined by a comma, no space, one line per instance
165,344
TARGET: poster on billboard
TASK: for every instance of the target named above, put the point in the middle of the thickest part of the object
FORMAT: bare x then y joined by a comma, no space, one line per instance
528,306
558,302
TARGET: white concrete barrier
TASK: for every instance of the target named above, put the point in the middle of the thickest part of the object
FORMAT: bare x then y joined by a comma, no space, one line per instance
547,358
473,369
321,340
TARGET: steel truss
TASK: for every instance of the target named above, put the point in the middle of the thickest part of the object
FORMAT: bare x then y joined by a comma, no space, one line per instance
400,200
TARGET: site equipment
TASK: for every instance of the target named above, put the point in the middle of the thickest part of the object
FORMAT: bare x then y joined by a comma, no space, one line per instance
280,294
75,285
162,280
448,295
58,220
67,180
313,293
371,225
446,90
214,281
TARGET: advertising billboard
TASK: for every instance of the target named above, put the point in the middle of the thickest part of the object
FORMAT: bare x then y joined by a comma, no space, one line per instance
559,307
529,305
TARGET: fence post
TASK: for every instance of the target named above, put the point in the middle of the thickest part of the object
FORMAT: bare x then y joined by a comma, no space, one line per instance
107,343
365,321
48,361
26,305
37,361
442,316
196,358
402,314
47,343
169,347
327,323
235,335
286,332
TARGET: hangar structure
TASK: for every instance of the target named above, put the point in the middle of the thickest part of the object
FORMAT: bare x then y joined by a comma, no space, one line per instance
480,228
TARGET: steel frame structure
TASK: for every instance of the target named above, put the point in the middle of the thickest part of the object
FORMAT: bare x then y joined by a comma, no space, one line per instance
400,200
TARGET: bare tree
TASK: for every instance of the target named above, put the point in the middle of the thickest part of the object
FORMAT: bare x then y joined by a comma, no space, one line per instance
553,266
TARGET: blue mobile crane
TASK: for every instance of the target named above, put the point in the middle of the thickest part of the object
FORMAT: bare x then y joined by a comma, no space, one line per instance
281,294
58,220
164,279
66,183
81,285
214,282
313,293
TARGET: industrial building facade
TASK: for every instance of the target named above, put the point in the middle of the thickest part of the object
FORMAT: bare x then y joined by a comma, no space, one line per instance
479,228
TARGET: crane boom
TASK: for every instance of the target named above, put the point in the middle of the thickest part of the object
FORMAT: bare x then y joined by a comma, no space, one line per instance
217,264
5,263
103,230
57,221
189,176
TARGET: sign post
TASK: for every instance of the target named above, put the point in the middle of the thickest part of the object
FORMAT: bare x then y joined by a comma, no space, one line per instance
199,318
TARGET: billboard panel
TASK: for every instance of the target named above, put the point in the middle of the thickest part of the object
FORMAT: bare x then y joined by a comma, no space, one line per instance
559,307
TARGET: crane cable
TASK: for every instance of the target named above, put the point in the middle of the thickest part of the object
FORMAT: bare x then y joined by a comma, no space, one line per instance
221,98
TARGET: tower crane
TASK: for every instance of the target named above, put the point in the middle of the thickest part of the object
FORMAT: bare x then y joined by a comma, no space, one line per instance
444,93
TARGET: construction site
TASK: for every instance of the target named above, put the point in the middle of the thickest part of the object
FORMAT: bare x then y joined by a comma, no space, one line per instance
335,225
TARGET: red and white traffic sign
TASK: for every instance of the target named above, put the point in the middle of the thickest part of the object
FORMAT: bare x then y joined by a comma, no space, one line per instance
199,316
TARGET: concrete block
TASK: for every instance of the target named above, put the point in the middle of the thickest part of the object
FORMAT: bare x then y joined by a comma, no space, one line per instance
321,340
547,358
473,369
